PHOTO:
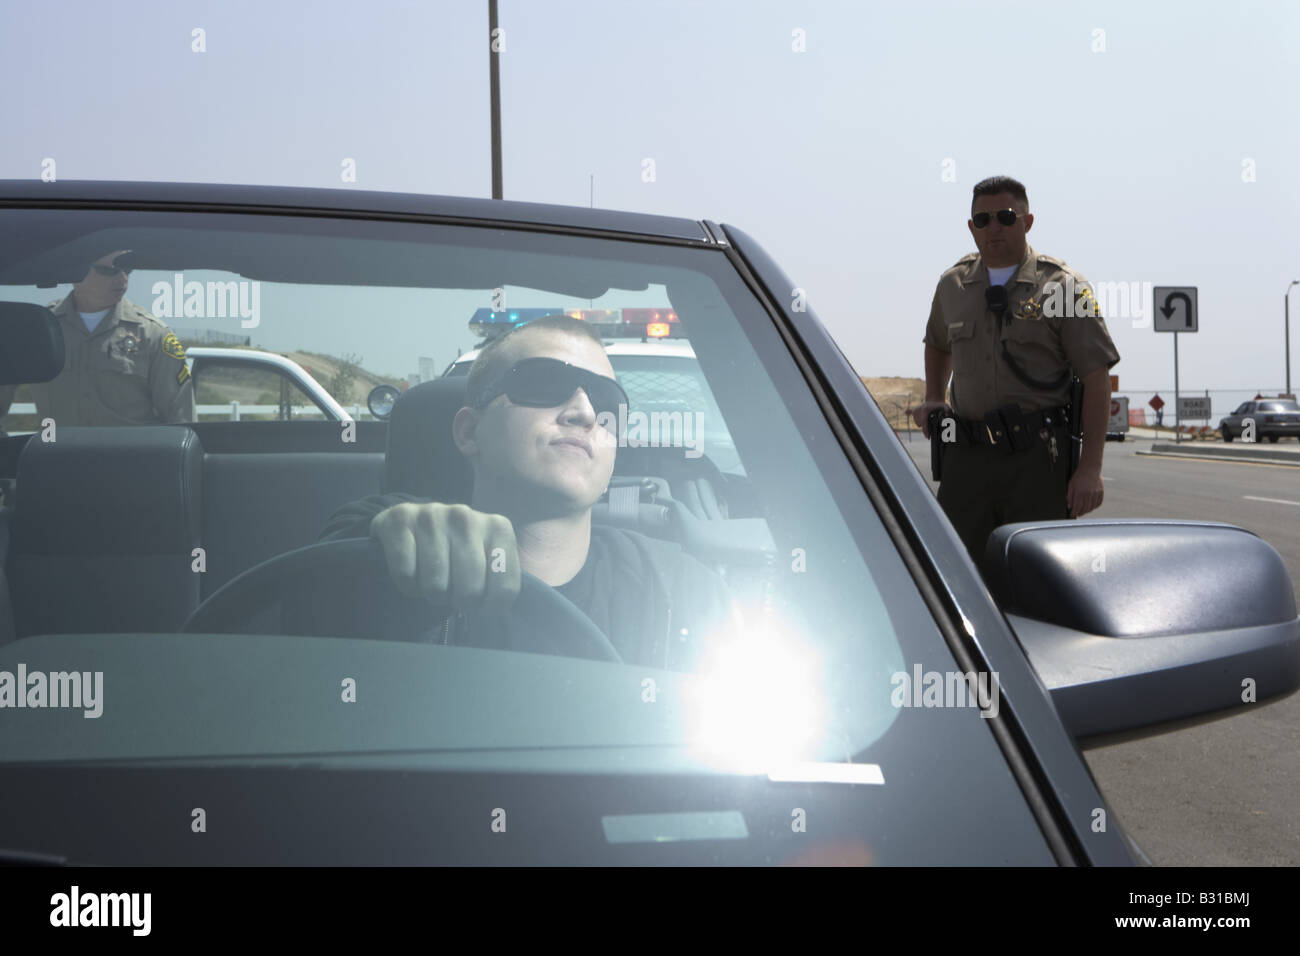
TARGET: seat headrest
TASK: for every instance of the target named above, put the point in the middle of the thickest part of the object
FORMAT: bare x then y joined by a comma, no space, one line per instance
134,490
422,459
33,344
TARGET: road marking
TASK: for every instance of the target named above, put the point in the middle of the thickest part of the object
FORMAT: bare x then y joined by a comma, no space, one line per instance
1276,501
1257,463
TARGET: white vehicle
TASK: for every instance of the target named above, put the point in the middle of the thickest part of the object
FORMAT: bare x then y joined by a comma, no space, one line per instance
201,359
284,375
669,349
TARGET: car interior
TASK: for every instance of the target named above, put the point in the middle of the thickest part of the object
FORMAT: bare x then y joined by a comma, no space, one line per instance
102,530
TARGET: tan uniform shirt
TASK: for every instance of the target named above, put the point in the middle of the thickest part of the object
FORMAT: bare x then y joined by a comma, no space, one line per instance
1052,323
129,371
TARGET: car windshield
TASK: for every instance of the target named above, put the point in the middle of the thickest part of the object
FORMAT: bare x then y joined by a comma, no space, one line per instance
758,612
1279,407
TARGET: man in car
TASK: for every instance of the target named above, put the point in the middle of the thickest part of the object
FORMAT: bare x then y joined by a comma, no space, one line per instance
533,431
122,365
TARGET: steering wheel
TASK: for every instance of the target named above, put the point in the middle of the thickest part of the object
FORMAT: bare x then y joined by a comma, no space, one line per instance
341,565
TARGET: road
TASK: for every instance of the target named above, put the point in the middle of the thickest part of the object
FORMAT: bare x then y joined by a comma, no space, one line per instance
1224,793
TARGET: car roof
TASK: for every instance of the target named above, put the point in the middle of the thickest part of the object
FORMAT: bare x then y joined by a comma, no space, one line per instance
230,198
674,348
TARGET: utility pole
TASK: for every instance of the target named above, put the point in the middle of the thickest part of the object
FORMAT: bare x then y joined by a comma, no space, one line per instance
1286,312
494,94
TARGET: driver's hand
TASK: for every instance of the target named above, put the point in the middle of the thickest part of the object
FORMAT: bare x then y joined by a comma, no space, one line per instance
450,554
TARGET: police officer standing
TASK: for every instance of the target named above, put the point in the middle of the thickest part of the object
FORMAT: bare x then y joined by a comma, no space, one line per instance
1015,330
122,366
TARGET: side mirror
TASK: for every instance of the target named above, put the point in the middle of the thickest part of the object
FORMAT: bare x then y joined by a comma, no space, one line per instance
1135,623
381,400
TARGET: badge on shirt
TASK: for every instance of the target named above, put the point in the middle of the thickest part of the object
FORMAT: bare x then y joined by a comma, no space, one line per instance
1029,309
127,342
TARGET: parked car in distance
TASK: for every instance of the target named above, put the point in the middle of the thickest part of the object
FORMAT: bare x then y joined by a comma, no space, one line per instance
1271,418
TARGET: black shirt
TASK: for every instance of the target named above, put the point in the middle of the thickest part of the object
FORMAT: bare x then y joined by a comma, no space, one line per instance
657,605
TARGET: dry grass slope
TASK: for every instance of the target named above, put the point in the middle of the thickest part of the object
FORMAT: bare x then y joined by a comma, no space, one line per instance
894,395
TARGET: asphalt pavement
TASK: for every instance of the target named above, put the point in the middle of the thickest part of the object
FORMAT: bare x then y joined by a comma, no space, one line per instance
1226,792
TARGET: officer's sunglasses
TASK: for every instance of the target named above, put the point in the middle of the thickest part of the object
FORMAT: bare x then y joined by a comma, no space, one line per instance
549,383
1006,217
109,271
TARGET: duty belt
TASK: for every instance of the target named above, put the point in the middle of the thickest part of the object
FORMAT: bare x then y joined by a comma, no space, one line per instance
1007,428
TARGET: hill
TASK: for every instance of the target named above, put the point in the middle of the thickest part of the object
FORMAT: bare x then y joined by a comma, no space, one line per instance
894,395
341,376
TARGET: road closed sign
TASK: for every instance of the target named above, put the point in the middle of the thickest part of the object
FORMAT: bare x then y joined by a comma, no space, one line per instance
1194,407
1118,415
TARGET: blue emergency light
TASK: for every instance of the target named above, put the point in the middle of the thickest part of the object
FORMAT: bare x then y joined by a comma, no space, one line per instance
612,323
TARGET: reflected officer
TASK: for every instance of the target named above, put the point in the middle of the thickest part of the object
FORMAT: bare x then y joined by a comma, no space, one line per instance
1013,328
123,366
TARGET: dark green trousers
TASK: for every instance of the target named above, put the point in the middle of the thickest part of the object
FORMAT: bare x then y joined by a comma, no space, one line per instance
984,487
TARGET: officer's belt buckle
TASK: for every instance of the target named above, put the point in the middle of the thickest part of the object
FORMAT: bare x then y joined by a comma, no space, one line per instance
998,436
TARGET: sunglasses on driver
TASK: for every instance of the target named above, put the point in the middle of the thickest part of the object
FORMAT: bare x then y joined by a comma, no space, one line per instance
549,383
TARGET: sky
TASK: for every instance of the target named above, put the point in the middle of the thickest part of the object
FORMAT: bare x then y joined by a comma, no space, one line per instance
1158,140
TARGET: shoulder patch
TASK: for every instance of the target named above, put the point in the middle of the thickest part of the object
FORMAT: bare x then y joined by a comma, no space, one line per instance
171,345
1086,303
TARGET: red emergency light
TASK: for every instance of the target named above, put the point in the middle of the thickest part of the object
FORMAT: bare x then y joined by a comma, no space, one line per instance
647,316
655,323
596,316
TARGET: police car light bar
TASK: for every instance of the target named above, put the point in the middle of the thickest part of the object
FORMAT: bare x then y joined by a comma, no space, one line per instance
614,323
